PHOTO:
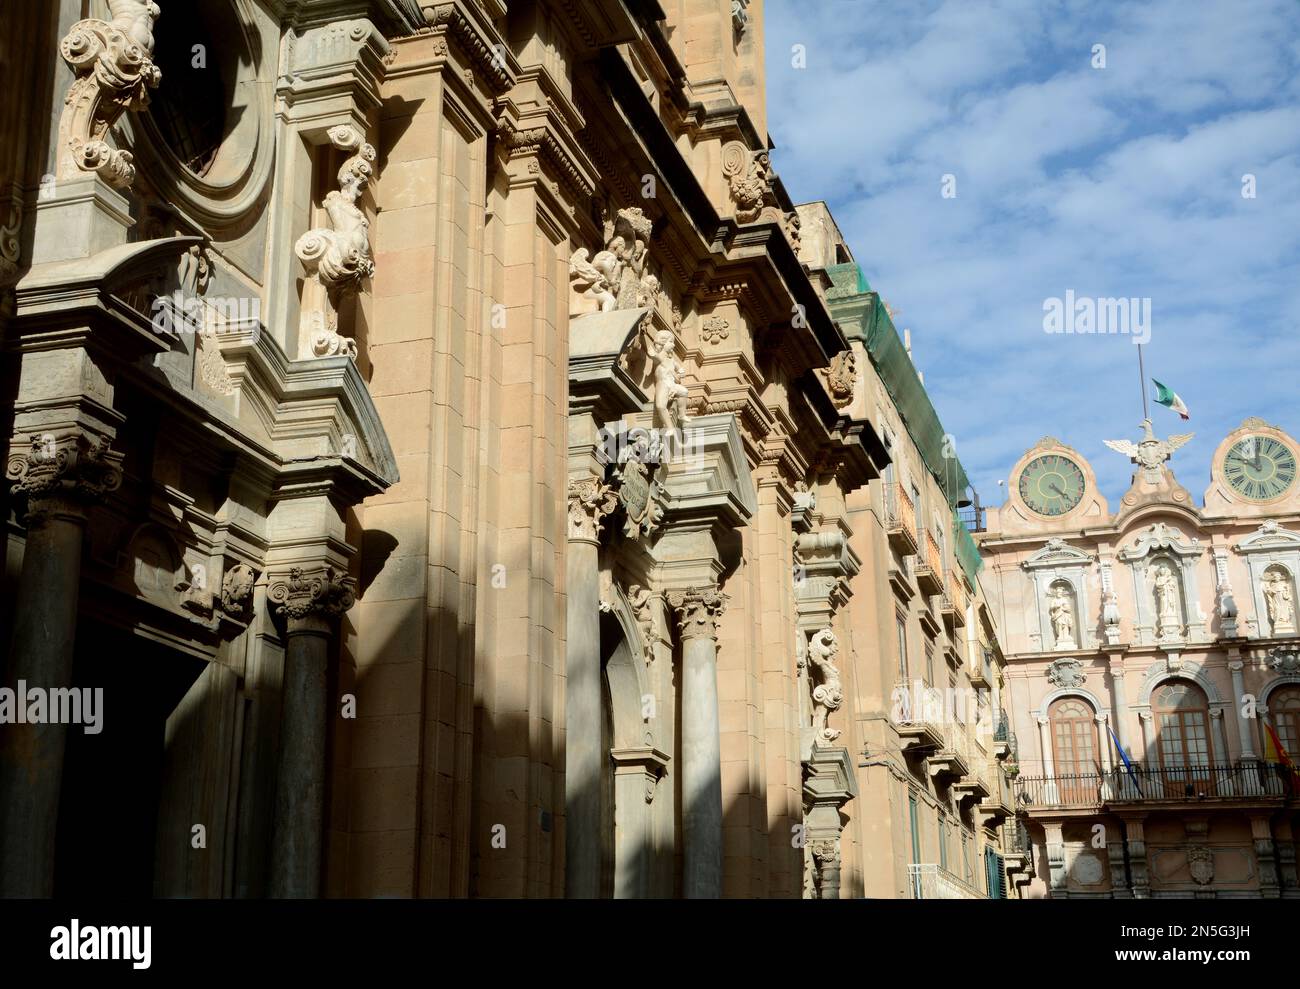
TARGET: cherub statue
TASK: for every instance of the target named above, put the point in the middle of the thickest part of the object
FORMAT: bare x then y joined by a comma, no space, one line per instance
670,394
598,278
135,19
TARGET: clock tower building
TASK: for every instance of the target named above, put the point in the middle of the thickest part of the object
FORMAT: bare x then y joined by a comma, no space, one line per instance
1153,668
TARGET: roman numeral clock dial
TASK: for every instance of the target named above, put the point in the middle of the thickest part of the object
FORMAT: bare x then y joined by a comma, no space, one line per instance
1051,485
1259,468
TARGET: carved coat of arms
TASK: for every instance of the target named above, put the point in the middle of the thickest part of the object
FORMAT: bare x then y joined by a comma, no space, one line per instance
1200,863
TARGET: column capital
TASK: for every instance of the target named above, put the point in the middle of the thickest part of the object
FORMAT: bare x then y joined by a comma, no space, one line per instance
698,611
590,500
1236,665
1145,715
308,601
62,474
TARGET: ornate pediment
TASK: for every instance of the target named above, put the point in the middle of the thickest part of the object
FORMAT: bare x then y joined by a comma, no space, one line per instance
1057,552
1161,536
1269,536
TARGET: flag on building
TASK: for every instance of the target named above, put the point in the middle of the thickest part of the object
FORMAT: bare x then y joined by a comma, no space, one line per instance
1169,398
1276,752
1124,756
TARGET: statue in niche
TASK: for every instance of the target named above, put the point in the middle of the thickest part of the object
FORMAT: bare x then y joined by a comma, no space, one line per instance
1061,612
827,694
670,394
339,257
1165,588
1278,599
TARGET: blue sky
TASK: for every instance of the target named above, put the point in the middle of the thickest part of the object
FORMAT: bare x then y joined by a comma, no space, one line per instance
1116,181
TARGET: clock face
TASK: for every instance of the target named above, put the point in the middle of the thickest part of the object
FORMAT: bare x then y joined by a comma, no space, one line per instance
1051,484
1259,468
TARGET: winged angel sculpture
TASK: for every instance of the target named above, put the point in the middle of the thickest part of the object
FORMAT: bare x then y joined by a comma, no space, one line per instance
1149,453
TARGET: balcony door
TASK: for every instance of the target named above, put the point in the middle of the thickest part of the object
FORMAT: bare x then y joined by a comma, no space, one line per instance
1074,750
1183,738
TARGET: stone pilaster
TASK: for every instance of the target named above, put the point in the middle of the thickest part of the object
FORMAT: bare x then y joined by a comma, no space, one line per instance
61,475
1119,698
1265,856
1235,667
829,785
590,501
1055,859
1135,838
309,603
698,611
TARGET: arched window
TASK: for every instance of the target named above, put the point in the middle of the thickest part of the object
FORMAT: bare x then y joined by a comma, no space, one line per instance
1074,749
190,105
1182,726
1284,714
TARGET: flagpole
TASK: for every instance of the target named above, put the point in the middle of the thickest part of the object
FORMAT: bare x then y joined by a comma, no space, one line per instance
1142,383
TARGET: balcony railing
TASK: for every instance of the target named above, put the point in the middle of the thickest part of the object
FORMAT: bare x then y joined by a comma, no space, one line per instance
933,882
1246,780
901,518
929,572
954,601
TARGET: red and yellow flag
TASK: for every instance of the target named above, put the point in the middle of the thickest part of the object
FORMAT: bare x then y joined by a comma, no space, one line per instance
1276,752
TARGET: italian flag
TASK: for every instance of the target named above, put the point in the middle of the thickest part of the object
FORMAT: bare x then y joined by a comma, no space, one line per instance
1169,399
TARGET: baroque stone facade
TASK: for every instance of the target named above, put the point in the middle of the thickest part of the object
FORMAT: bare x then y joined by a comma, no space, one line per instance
1154,744
475,467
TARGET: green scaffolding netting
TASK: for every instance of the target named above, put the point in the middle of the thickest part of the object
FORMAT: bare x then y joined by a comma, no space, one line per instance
861,315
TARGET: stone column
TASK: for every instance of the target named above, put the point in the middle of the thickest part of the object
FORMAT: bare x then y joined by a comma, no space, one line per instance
698,611
310,604
1049,794
1149,754
1235,667
1221,782
1104,743
590,500
61,476
1119,697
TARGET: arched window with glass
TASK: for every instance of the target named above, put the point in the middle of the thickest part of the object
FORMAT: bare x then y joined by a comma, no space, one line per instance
1284,716
1182,716
1074,749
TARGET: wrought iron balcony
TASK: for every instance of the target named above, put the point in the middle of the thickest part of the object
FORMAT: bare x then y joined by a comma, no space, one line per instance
933,882
1247,780
1018,851
954,602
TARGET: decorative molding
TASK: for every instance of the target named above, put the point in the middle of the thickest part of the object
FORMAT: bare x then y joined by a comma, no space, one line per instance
590,500
715,329
237,590
698,611
842,377
643,604
63,474
749,178
1066,673
319,595
114,70
339,257
827,694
